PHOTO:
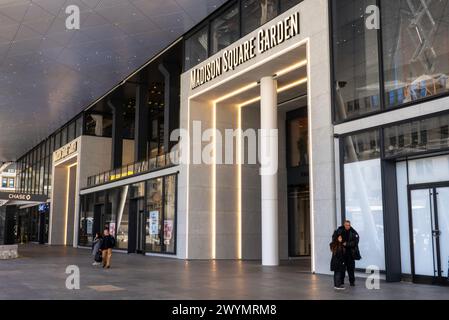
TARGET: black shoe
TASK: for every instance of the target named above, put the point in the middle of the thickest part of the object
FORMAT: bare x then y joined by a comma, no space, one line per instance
352,284
108,267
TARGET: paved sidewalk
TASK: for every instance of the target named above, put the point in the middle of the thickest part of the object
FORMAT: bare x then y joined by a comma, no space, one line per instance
40,274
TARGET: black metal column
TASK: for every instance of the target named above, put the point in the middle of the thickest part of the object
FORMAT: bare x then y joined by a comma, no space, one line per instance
10,223
141,120
117,133
391,222
171,73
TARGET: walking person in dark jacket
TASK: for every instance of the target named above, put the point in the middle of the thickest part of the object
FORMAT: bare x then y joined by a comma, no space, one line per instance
352,253
338,265
106,248
96,249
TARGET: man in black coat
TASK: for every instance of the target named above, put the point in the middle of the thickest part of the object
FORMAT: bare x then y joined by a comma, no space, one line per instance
351,242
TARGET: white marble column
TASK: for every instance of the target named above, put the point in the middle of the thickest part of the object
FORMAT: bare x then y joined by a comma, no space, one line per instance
269,171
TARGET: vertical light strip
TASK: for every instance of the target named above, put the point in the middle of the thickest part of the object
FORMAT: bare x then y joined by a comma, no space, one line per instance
239,183
67,206
311,176
188,178
214,184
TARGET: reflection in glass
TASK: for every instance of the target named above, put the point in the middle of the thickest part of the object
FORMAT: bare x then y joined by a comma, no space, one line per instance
257,13
123,219
416,49
356,61
419,136
196,48
225,29
422,232
299,142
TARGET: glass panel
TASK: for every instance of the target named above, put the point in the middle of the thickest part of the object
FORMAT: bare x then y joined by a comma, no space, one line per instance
364,146
123,219
363,196
356,61
225,29
419,136
287,4
299,221
71,132
196,48
64,136
404,226
416,49
257,13
443,226
170,214
86,220
79,126
298,130
154,215
422,232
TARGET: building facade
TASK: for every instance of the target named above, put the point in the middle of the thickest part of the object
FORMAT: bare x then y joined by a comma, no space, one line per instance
352,117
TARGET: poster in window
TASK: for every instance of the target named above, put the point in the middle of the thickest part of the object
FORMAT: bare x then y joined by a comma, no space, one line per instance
168,231
154,222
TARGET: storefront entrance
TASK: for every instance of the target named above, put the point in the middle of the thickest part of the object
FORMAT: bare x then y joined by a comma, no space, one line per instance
429,230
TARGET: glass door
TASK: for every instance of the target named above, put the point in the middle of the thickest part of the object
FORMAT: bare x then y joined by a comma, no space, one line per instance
429,230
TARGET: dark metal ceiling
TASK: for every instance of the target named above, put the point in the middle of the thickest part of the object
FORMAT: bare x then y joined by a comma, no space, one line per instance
48,74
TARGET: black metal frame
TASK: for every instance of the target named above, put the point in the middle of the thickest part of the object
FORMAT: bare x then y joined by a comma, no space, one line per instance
432,188
383,107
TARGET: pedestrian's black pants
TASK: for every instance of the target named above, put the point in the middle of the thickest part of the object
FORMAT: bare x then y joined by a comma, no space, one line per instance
350,268
338,277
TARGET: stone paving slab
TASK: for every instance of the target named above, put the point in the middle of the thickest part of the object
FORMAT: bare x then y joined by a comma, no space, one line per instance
39,273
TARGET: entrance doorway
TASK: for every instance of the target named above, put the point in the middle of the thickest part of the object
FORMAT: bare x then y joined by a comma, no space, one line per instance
136,226
429,232
297,140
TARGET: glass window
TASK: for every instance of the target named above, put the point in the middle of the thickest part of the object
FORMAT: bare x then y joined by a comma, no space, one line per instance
257,13
416,50
71,131
123,218
196,48
64,136
419,136
4,183
298,138
170,214
225,29
363,195
356,61
86,220
79,126
287,4
154,216
99,125
57,142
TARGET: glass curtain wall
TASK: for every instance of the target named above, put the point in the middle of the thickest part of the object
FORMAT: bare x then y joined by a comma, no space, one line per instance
363,195
34,168
416,49
412,44
355,60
